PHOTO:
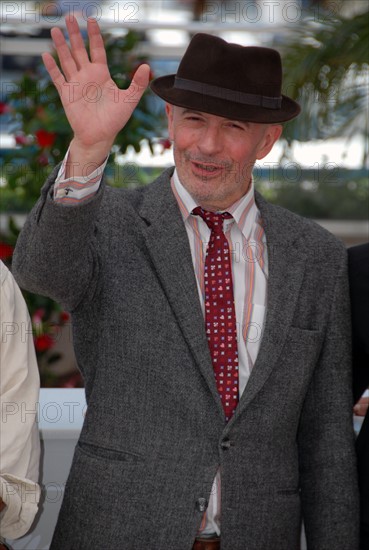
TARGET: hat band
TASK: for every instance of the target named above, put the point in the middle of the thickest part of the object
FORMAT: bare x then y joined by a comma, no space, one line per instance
225,93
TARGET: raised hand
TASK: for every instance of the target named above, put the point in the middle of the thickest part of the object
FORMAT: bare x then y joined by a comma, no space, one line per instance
96,108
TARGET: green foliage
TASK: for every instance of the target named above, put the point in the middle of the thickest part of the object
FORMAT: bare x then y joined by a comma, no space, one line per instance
43,133
326,69
36,117
345,200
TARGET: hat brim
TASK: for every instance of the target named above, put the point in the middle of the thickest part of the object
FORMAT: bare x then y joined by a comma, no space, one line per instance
163,87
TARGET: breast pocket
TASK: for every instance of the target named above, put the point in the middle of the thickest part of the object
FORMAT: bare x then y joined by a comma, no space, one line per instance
303,335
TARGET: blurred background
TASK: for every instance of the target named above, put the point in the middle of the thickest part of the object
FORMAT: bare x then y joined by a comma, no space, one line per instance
319,168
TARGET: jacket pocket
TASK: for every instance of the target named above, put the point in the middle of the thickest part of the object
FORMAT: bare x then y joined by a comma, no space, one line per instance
95,451
297,334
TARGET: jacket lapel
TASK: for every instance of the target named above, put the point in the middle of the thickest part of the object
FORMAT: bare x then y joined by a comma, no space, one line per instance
286,271
168,246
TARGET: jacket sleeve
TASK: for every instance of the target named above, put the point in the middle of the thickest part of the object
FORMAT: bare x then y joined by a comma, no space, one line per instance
327,460
57,253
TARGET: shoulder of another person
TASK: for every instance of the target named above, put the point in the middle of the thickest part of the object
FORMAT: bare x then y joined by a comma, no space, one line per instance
4,273
9,287
359,253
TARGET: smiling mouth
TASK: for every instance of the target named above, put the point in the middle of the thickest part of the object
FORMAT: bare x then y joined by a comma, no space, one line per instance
207,167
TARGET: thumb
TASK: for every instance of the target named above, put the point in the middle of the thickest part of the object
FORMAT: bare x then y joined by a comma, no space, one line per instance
142,76
138,85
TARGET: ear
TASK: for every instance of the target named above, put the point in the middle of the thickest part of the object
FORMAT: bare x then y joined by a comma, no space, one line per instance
272,134
169,113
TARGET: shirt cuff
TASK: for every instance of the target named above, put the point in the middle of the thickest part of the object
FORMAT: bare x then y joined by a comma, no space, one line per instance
21,497
77,189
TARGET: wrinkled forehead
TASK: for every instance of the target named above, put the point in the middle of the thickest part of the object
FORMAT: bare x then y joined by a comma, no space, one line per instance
178,112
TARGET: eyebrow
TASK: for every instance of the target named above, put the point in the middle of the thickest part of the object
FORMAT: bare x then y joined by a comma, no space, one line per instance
185,111
240,122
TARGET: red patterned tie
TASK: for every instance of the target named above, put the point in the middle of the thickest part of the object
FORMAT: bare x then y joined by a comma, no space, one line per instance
220,317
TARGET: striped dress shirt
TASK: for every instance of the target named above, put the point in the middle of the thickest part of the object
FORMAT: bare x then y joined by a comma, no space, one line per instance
247,243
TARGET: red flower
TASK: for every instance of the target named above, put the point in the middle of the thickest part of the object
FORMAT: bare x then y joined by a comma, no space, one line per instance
43,342
73,381
165,143
38,316
45,138
4,108
21,139
43,159
64,317
6,251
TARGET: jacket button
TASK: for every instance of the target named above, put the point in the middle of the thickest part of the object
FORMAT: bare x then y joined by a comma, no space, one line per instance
226,444
201,504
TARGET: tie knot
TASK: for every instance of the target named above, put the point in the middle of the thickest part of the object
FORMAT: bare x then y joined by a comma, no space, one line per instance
214,220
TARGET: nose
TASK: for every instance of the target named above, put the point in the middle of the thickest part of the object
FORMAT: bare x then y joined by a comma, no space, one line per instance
211,141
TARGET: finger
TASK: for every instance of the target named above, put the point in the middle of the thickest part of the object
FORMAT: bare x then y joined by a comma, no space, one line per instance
138,85
97,48
53,70
67,62
360,409
142,75
78,49
64,88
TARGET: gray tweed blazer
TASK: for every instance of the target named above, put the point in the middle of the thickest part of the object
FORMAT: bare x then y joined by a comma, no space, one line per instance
154,434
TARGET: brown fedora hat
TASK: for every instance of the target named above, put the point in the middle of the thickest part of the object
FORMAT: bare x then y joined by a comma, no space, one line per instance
229,80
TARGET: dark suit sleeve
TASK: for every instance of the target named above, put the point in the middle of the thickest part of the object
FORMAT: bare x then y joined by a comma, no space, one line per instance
359,294
326,439
56,253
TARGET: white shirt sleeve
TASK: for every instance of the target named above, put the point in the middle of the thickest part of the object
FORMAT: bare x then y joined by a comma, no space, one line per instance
19,396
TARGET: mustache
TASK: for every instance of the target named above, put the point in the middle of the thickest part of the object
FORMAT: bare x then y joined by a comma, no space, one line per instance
208,160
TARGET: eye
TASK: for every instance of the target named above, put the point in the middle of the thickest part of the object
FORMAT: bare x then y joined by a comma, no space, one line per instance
235,125
191,116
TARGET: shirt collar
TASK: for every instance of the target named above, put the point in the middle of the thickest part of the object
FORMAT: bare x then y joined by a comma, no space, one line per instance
244,211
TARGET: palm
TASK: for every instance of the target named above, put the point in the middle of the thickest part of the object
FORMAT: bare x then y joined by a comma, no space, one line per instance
96,108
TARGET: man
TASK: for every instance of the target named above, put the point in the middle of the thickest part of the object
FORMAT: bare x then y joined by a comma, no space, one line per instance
19,438
359,291
195,437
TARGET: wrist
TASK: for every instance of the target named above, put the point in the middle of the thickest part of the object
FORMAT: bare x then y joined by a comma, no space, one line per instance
83,159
